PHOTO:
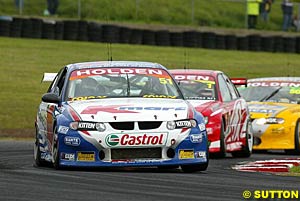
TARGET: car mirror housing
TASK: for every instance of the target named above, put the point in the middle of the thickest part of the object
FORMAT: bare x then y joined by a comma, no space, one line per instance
50,98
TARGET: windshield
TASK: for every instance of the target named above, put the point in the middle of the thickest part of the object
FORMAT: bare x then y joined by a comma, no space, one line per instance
271,94
121,82
198,89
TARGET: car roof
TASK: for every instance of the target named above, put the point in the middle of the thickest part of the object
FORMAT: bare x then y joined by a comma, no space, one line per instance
112,64
275,79
195,72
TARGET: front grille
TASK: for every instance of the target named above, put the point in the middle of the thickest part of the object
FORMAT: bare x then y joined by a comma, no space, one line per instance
122,125
145,125
136,153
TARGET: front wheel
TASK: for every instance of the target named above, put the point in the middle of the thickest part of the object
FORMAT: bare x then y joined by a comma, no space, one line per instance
55,149
222,152
194,168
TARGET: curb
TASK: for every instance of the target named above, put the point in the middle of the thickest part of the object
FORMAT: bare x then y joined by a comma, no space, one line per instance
272,166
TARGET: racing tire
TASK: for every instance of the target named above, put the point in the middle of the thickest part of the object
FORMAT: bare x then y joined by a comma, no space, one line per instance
247,149
194,168
297,141
167,167
55,150
39,162
222,152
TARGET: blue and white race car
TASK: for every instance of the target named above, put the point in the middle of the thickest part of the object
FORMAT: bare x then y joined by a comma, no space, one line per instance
118,114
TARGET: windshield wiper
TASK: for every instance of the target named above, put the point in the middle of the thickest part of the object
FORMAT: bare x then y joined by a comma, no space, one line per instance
269,96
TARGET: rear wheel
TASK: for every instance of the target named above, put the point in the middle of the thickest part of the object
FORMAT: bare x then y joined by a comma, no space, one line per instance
222,152
37,152
296,150
247,149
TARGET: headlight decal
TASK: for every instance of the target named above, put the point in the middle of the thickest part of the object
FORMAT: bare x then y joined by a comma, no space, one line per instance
270,120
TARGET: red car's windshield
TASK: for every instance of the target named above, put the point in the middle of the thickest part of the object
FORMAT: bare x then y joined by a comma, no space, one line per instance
197,87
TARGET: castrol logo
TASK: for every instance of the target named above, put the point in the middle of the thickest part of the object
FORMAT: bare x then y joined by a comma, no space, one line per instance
153,139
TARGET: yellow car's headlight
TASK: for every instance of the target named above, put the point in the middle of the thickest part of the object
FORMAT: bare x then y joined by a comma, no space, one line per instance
270,120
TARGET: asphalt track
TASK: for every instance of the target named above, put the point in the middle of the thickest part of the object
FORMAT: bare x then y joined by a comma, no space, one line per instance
20,180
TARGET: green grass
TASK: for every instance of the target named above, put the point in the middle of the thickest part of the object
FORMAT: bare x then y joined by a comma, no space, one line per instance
211,13
295,169
23,62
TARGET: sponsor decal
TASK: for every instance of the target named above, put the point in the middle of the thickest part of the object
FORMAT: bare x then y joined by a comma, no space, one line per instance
68,156
80,98
153,108
72,141
274,84
158,96
86,125
200,154
186,154
117,71
262,108
196,138
112,140
126,109
86,156
209,131
108,108
153,139
191,77
63,129
136,161
183,124
202,127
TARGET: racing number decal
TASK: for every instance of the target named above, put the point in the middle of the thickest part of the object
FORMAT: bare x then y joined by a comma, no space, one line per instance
163,80
295,90
207,82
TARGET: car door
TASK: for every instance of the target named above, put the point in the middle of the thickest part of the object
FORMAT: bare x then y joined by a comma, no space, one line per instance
48,111
237,113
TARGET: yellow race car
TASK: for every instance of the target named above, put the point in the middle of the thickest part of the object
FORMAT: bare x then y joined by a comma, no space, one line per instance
274,105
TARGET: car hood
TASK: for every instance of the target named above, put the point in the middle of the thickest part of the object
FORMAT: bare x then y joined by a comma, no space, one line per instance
267,109
130,109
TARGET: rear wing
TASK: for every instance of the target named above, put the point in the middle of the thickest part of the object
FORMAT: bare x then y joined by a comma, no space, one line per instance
48,77
239,82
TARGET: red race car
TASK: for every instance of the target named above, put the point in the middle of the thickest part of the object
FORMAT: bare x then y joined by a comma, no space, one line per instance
226,113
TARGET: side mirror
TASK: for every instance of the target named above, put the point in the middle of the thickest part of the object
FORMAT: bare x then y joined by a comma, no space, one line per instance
50,98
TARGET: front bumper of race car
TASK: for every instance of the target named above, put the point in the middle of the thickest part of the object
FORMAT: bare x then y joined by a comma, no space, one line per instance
78,150
273,136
